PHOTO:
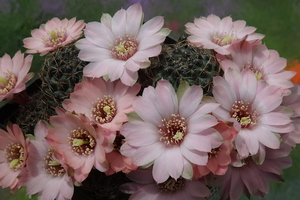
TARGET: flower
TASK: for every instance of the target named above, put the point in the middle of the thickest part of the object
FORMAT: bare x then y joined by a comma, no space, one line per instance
219,34
145,187
104,103
120,45
246,177
218,158
265,64
291,103
79,143
55,33
14,74
13,156
47,175
252,105
177,130
118,162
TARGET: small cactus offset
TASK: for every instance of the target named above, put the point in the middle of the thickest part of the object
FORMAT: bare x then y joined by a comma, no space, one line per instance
182,61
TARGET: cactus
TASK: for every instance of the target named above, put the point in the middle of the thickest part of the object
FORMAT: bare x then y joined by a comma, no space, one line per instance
181,61
61,70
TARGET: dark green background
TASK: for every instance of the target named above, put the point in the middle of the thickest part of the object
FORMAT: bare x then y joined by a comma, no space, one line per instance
279,20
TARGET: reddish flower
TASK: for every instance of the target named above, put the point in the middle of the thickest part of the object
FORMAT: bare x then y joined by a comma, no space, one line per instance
55,33
13,156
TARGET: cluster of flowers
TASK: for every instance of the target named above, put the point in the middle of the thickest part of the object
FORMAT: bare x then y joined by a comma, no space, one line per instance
175,143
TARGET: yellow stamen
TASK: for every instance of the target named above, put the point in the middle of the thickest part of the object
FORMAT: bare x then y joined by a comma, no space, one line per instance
79,142
13,163
3,80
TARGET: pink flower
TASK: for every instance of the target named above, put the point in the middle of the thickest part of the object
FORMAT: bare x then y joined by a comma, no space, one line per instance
246,177
104,103
292,102
55,33
176,130
14,74
252,105
79,143
265,64
117,162
219,34
47,175
13,156
218,158
120,45
144,187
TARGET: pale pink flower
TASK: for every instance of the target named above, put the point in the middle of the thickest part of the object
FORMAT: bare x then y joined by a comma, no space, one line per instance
144,187
47,175
14,74
292,102
265,64
13,156
120,45
248,178
104,103
167,125
53,34
79,143
218,158
219,34
252,105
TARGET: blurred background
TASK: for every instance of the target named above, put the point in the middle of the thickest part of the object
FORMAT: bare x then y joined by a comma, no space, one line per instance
278,20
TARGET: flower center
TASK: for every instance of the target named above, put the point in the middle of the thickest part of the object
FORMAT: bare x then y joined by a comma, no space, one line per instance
7,82
171,184
223,38
173,130
242,112
119,140
258,71
124,47
82,143
214,153
55,37
52,167
104,110
14,153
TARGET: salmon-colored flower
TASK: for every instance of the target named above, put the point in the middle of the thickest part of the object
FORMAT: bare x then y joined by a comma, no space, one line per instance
48,176
120,45
105,103
79,143
53,34
13,156
219,34
14,74
218,158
